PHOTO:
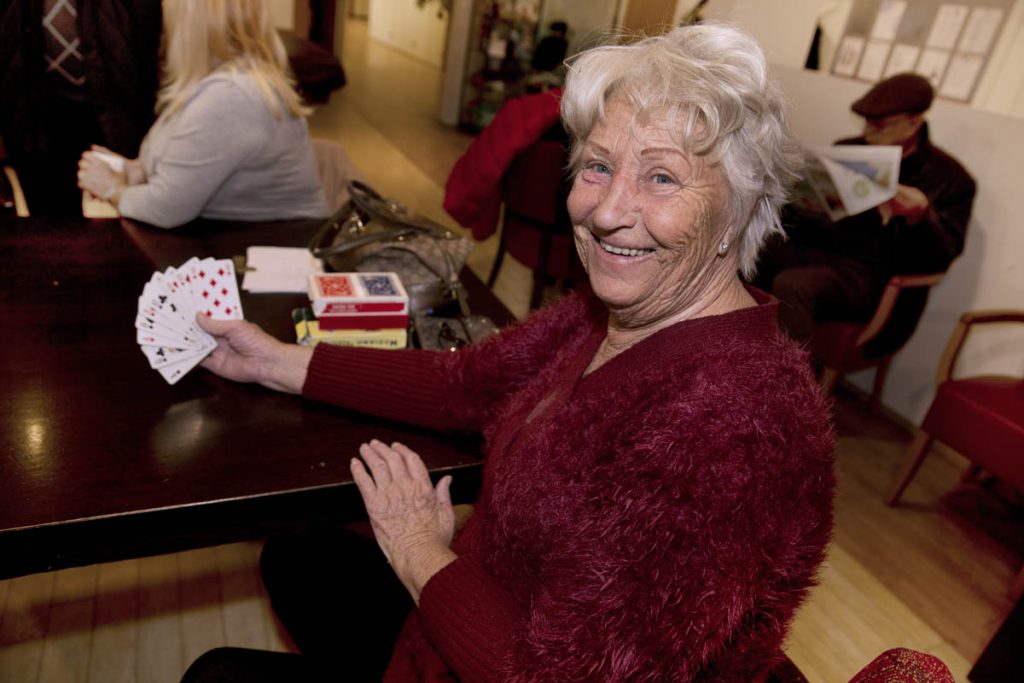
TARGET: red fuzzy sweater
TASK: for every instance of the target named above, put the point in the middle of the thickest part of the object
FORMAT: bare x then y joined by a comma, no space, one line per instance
659,519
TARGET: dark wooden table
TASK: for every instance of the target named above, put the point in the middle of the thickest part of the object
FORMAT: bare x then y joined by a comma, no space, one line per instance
100,459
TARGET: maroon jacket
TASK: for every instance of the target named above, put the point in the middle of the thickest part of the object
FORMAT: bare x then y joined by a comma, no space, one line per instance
658,519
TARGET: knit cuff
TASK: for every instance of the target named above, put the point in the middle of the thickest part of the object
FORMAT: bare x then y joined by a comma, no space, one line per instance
470,619
398,385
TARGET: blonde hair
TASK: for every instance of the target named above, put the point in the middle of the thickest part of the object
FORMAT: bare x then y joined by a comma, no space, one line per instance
235,35
733,113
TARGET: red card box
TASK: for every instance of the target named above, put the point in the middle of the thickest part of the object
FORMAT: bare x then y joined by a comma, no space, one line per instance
357,293
363,322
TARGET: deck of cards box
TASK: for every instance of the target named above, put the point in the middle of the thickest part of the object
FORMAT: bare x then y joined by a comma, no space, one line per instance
309,333
347,301
166,328
351,305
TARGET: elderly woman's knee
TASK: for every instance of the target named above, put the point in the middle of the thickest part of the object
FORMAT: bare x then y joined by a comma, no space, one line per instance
214,665
240,665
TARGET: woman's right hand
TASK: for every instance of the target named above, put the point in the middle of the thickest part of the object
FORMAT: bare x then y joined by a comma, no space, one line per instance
245,353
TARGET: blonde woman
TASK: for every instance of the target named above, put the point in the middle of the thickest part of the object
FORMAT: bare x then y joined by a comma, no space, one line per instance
231,140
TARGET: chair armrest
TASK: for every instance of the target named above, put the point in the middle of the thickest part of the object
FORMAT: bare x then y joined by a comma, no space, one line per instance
956,339
896,284
11,196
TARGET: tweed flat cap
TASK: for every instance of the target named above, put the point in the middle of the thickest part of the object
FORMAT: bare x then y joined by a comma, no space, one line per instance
900,94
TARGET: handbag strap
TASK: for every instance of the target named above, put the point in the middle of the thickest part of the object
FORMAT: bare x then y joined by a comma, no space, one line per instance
364,206
374,206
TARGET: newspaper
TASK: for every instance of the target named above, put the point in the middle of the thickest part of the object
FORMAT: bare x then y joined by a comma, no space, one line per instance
844,180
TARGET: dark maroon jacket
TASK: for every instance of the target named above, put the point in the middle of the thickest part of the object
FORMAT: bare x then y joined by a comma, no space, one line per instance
658,519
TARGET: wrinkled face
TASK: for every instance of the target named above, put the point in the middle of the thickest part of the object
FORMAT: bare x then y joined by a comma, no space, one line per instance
891,130
647,217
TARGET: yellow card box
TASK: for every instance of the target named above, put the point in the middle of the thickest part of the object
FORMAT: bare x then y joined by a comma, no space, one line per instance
308,333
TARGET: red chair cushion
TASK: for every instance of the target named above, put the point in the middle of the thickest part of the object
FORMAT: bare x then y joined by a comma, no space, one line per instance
901,665
983,419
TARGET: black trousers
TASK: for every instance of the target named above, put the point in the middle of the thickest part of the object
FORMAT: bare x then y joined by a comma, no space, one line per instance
814,284
340,603
49,178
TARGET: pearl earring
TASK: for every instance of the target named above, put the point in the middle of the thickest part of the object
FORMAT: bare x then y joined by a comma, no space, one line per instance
723,247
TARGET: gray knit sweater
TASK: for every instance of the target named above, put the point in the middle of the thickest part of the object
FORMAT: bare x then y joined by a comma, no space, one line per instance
224,156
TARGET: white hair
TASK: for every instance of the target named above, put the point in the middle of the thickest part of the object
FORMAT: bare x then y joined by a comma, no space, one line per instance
715,76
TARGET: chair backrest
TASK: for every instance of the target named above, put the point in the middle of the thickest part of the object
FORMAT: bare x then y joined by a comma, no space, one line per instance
535,186
535,219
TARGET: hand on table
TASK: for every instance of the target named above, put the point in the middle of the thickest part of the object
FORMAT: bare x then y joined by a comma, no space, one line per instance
131,172
106,174
412,520
245,353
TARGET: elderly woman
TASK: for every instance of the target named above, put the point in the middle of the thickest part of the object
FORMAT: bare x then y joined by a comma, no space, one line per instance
658,480
231,140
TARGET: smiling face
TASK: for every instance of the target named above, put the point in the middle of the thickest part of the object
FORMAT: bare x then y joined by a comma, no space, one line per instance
648,220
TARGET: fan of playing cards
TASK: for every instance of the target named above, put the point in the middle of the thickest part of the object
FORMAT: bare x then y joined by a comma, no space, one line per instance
166,328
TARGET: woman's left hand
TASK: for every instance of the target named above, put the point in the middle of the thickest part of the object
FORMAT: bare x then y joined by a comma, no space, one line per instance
96,177
412,520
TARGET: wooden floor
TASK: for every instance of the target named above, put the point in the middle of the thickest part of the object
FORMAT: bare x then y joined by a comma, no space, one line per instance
930,574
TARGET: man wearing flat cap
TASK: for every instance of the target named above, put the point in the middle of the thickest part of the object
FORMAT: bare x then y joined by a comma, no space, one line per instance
837,271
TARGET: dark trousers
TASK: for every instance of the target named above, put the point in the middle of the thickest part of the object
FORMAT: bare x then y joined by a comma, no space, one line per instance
813,284
49,178
340,603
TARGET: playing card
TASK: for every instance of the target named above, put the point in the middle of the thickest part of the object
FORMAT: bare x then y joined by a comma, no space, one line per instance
158,356
166,328
215,290
158,303
149,338
175,371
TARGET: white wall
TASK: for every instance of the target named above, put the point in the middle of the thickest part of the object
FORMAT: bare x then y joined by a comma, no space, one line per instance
784,29
988,275
414,30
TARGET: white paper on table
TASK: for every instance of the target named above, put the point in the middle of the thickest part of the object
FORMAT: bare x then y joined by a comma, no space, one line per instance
279,269
981,30
94,207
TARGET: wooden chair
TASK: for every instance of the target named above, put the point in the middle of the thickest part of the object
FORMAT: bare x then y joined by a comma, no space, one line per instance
535,226
844,347
982,418
12,199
